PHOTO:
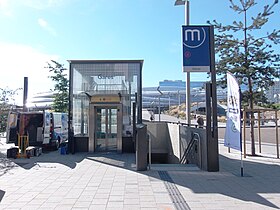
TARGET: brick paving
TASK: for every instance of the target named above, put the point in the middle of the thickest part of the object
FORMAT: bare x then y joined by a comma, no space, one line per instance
110,181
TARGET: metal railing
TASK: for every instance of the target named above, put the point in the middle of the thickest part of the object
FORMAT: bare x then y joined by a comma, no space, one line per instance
195,138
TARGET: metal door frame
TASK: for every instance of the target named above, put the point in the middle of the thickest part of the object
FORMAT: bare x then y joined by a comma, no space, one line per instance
92,124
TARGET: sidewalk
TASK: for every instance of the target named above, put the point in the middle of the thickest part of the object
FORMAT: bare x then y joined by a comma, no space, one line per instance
110,181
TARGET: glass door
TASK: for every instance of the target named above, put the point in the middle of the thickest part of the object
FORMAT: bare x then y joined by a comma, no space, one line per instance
106,129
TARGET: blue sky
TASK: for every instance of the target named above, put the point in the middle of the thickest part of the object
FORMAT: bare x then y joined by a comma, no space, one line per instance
35,31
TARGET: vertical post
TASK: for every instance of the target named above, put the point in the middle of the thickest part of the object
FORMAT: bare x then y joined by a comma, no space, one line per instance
208,109
70,102
150,152
188,75
169,101
240,128
179,99
139,102
159,108
137,108
214,125
213,88
259,132
244,133
134,122
82,116
25,93
277,141
211,140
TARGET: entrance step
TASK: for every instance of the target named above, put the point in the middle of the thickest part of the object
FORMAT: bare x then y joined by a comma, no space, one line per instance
174,167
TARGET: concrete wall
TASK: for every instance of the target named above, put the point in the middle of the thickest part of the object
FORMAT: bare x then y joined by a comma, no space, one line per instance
172,139
165,140
174,143
159,135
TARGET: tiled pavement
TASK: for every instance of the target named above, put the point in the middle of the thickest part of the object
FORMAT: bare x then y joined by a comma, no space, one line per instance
110,181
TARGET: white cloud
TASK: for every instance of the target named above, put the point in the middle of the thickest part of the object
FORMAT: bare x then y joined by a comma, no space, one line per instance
9,8
3,3
42,4
5,8
19,61
175,47
44,24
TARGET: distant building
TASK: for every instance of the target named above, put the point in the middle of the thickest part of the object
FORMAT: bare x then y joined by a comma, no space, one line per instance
41,101
273,93
173,93
179,84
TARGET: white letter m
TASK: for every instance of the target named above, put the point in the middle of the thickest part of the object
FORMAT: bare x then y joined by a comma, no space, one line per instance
192,32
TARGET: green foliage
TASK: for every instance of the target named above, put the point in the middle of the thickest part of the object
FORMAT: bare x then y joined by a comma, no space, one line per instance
251,59
6,101
59,77
247,52
259,96
275,106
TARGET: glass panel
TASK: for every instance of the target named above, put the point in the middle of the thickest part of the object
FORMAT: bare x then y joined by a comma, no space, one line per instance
96,78
112,129
106,129
100,129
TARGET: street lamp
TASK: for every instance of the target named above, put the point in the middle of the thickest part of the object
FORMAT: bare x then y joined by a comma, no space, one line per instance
188,75
179,98
187,6
159,102
169,101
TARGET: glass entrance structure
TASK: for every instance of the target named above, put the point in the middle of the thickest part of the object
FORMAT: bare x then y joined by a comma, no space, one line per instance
101,97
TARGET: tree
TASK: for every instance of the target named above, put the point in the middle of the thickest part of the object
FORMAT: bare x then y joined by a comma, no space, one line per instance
6,101
247,52
59,77
259,98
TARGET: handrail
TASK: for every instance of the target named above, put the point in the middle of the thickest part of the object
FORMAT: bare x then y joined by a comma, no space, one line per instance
190,145
198,138
187,150
150,151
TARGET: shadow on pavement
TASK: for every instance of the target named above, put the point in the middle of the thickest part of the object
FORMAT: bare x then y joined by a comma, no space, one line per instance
123,160
2,193
5,164
259,179
49,157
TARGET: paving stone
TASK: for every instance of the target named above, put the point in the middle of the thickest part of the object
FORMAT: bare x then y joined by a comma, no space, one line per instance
99,185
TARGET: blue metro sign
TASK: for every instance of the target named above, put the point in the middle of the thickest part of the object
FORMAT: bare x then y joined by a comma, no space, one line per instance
196,48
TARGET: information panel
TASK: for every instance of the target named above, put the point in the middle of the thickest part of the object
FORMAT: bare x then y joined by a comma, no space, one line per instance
196,48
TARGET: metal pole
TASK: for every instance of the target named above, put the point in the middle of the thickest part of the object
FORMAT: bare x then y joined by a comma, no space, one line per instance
159,108
179,98
25,94
244,132
169,101
240,128
150,152
277,141
259,132
188,75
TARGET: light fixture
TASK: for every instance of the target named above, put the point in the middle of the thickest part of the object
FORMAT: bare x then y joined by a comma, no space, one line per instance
179,2
159,90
